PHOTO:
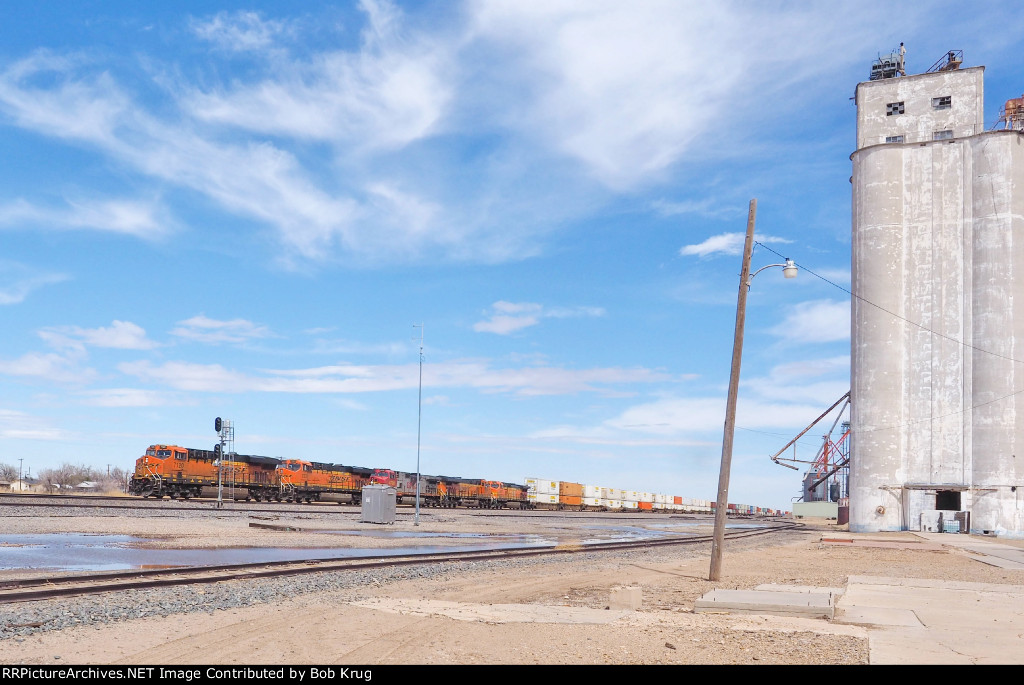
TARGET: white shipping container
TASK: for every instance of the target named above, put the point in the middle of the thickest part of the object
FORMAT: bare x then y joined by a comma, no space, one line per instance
659,505
630,496
626,504
646,496
592,502
660,499
542,498
593,491
542,486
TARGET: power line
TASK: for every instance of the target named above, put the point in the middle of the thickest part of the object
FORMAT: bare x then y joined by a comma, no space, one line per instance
922,327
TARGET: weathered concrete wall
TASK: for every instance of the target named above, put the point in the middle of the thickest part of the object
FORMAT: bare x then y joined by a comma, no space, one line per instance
938,260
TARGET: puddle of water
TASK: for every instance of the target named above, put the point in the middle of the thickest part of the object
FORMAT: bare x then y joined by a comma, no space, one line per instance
72,552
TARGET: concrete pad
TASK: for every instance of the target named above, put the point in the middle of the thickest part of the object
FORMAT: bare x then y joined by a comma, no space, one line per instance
997,562
776,587
890,544
493,613
958,622
876,616
774,602
627,598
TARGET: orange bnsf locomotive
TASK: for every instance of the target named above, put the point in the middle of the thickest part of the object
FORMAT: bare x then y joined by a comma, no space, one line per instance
179,472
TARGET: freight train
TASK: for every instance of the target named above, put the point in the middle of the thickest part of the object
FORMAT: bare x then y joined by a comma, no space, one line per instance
181,472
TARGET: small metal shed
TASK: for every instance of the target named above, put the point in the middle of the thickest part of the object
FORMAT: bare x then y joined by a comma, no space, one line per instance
379,504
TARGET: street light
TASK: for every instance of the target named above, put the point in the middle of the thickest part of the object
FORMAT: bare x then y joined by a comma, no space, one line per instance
789,270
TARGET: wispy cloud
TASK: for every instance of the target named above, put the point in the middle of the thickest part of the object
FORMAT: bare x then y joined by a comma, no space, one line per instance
204,329
21,426
726,243
59,368
240,31
18,281
134,397
509,317
142,219
817,321
469,374
123,335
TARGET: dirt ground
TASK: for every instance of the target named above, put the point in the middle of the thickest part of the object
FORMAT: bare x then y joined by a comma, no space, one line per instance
536,612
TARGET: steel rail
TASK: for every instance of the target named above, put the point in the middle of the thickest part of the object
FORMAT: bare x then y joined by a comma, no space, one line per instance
48,587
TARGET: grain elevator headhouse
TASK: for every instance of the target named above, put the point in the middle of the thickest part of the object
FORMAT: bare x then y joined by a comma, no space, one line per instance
937,387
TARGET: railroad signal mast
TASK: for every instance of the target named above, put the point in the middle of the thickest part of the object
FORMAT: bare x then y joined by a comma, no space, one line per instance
226,445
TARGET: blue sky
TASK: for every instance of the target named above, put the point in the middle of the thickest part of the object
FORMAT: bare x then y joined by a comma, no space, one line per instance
232,209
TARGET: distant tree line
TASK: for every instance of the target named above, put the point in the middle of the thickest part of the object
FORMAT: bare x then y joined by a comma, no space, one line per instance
70,476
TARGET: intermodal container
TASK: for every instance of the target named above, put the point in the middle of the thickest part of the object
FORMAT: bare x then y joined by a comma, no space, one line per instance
542,486
644,506
566,489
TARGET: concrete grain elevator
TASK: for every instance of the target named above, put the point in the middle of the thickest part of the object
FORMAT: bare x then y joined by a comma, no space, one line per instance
937,387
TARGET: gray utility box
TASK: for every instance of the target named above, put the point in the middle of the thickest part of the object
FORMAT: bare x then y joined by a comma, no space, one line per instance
379,504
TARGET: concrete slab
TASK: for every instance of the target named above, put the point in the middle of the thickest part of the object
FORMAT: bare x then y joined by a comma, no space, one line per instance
890,544
773,602
776,587
986,551
876,616
957,622
997,562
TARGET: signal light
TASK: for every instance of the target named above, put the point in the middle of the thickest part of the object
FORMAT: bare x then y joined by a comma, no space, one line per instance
216,424
216,449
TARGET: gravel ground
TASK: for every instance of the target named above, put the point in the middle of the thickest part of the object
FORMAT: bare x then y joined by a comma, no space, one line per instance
219,620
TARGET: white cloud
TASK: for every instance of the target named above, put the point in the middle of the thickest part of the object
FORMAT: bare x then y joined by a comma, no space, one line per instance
816,321
204,329
709,208
509,317
391,92
240,31
133,397
471,374
674,416
625,88
131,217
51,367
18,281
21,426
726,243
123,335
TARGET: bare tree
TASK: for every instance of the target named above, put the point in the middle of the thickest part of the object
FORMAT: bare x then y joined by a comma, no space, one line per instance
8,472
65,477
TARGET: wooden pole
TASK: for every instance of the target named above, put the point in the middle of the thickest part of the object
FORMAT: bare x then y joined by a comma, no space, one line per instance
730,406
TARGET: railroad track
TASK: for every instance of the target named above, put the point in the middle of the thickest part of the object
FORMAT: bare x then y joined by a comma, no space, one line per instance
49,587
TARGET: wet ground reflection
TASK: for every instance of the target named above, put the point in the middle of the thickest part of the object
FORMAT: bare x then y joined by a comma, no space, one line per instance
84,552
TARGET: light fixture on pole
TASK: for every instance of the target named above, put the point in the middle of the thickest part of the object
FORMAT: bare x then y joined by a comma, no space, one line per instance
419,424
789,270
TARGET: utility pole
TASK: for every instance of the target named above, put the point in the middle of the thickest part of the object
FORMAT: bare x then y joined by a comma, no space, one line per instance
730,406
789,270
21,475
419,424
